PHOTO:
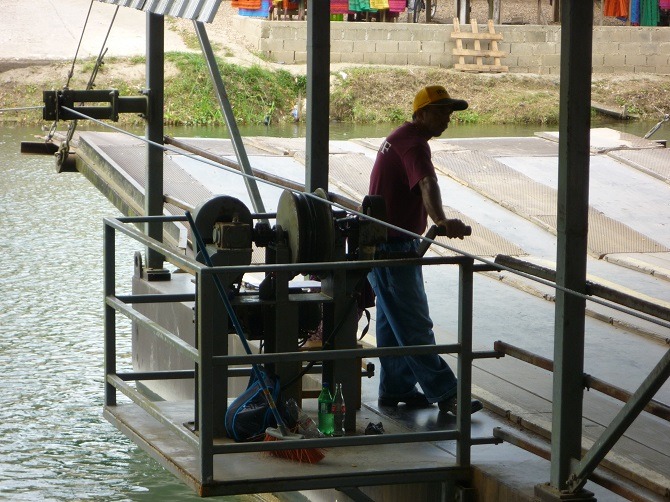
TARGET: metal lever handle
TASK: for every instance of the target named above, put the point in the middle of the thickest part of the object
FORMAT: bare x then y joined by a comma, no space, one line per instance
433,232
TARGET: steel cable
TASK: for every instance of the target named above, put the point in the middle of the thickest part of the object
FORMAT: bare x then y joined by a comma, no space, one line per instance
103,51
485,261
81,38
21,108
70,74
64,150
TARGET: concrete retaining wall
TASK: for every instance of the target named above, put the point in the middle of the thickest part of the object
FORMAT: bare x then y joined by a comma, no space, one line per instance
529,48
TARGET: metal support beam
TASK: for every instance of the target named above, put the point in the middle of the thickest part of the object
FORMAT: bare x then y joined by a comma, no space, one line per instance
463,418
494,10
622,421
229,117
462,9
282,334
109,289
573,202
318,92
153,196
211,382
340,322
57,103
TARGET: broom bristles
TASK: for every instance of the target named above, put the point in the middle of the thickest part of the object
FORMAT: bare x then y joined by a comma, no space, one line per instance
302,455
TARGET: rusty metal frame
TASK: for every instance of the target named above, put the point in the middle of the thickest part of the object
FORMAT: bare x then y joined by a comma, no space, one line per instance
654,407
209,367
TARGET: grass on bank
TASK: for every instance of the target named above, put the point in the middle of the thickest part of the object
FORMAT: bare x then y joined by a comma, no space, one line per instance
371,95
358,95
256,95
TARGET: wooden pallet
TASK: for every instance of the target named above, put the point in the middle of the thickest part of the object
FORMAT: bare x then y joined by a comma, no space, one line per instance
477,52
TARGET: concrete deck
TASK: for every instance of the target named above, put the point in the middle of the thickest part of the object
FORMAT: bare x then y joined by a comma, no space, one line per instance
630,212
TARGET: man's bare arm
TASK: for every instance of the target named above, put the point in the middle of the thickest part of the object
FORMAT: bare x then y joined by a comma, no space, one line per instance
432,201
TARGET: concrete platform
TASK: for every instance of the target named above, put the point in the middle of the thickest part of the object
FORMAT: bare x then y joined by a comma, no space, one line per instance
236,472
517,396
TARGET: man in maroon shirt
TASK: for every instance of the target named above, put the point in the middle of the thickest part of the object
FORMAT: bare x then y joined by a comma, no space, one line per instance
404,175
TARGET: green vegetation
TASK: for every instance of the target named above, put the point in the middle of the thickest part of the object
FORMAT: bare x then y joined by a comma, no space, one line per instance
370,94
384,95
254,93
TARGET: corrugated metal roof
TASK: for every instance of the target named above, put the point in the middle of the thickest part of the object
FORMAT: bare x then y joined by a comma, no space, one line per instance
199,10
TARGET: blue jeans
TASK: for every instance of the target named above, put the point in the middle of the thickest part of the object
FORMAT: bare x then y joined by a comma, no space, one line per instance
402,320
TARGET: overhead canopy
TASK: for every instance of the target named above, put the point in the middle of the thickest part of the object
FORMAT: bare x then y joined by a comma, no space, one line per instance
198,10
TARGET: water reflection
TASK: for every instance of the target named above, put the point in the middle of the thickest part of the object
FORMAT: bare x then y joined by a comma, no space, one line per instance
54,443
342,131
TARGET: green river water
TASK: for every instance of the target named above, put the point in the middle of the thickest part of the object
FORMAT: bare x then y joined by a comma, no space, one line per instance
54,443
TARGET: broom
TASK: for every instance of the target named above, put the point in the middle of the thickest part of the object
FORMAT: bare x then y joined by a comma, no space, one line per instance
281,432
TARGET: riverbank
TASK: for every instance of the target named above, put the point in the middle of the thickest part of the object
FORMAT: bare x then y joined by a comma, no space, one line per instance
261,90
371,94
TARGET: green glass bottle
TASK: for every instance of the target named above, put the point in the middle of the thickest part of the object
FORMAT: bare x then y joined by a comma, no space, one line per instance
339,411
326,422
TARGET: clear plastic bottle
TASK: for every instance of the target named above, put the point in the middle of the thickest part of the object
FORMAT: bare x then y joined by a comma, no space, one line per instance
306,425
326,411
339,411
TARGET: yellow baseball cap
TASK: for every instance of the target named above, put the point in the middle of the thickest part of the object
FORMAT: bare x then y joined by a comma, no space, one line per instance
437,95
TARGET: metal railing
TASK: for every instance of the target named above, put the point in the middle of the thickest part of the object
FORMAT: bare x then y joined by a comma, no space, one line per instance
584,468
211,401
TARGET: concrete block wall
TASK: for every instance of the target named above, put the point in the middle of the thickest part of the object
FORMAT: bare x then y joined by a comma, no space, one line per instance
528,48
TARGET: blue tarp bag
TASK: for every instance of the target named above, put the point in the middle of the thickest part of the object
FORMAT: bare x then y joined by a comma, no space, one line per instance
249,414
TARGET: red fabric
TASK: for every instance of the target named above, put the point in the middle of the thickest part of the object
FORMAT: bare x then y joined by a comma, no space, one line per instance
339,6
399,5
248,4
615,8
402,161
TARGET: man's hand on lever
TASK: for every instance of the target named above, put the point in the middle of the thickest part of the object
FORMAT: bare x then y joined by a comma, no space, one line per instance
452,228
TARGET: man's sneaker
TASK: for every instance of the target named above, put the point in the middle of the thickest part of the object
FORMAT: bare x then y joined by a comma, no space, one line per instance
451,405
417,400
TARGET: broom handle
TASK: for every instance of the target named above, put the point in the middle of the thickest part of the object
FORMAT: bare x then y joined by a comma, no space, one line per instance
236,324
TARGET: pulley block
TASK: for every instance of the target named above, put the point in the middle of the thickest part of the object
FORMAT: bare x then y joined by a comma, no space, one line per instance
308,223
226,226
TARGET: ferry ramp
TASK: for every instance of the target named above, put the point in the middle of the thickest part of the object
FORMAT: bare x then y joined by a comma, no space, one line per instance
504,189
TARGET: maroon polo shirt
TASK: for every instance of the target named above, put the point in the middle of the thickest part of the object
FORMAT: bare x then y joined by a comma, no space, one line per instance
402,161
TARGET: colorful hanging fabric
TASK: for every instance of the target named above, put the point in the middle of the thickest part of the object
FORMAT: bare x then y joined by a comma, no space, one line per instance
649,15
399,5
635,12
615,8
339,6
360,6
664,4
249,4
379,4
254,8
287,5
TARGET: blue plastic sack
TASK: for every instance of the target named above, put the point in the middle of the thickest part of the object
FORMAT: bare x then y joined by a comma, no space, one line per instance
249,414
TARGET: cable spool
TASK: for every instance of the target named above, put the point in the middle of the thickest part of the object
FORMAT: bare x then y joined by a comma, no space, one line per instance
224,209
308,224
